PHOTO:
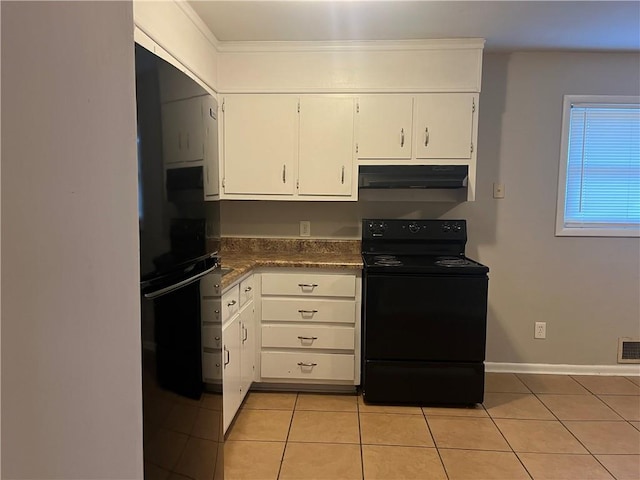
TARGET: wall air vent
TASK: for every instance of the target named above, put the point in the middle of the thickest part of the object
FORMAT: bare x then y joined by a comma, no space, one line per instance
628,350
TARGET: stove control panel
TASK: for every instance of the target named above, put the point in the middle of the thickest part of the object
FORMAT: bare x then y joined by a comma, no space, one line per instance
376,228
453,230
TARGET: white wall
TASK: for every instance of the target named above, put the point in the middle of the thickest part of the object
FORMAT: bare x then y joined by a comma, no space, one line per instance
586,289
71,382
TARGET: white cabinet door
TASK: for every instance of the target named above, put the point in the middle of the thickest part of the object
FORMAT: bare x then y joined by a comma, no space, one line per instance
326,146
384,126
211,167
444,125
248,347
231,373
260,144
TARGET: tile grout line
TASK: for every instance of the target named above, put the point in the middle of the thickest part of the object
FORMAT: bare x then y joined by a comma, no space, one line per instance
433,439
286,440
502,434
570,432
360,434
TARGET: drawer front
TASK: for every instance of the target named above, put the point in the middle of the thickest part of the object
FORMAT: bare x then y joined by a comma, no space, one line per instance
212,336
210,286
302,336
211,369
309,285
305,365
303,310
230,303
246,290
211,310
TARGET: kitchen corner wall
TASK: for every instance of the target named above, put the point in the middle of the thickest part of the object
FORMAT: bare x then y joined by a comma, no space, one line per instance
71,376
586,289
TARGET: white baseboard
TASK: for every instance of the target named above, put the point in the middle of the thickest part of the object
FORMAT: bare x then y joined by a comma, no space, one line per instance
558,369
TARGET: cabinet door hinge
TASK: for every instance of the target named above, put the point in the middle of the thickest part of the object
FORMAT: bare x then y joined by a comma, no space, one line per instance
471,147
223,106
298,106
473,106
356,148
223,183
297,184
357,107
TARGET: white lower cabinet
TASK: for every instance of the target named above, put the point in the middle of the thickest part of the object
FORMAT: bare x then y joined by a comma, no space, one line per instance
310,327
231,372
238,347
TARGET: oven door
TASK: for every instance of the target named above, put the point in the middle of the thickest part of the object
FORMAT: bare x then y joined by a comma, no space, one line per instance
425,318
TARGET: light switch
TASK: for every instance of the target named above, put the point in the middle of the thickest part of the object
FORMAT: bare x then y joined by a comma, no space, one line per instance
498,190
305,228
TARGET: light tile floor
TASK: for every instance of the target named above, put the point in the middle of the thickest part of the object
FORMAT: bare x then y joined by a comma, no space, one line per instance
553,427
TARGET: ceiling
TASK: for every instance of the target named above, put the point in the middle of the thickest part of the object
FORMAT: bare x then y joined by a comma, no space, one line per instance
506,25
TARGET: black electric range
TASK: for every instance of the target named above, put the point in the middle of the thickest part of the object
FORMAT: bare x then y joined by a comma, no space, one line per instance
424,314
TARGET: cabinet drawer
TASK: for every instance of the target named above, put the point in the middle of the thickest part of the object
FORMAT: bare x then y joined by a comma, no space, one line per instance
210,310
211,368
306,365
308,310
309,284
210,285
212,336
230,303
302,336
246,290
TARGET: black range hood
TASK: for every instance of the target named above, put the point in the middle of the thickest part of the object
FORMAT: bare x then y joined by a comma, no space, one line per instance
412,176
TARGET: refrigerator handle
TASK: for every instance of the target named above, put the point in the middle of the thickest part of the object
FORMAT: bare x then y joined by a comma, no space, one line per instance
180,284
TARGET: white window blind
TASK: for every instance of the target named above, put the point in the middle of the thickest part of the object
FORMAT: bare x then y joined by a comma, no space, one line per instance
602,187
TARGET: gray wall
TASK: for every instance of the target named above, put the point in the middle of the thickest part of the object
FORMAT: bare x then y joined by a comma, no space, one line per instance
586,289
71,386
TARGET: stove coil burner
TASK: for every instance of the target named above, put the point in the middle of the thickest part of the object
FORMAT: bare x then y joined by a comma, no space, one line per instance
453,262
386,260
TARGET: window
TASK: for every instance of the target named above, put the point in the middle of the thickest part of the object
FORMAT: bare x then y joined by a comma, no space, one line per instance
599,180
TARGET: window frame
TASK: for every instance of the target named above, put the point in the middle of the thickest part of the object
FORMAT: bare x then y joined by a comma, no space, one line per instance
561,230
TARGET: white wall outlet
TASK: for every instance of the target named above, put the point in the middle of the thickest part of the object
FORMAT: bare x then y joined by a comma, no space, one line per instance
540,330
498,190
305,228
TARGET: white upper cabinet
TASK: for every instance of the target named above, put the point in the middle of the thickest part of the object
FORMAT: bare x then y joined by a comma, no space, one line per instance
326,163
183,131
384,126
444,125
260,144
211,168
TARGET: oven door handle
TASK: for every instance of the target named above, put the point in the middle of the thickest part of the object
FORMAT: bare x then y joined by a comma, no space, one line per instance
180,284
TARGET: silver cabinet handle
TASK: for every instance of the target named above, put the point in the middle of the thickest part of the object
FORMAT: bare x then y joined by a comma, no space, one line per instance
342,175
308,338
216,286
248,289
426,136
284,174
309,285
226,362
307,311
246,334
402,137
303,364
231,303
217,338
216,311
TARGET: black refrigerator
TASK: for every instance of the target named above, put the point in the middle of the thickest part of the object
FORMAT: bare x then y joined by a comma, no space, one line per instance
179,221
